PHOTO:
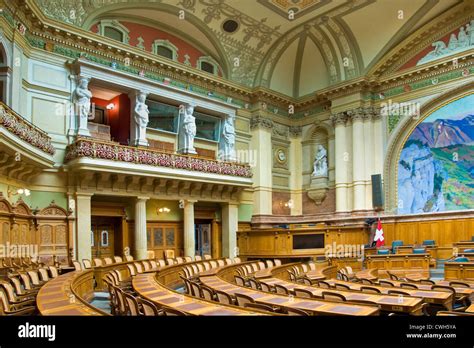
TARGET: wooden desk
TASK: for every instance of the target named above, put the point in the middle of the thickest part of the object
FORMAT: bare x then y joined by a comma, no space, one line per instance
404,249
327,272
470,309
390,303
146,285
400,264
65,294
428,295
370,274
459,270
463,245
310,305
459,291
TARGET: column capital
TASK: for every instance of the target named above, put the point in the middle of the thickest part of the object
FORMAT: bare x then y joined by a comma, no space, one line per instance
339,118
296,131
83,194
142,198
190,201
259,121
133,94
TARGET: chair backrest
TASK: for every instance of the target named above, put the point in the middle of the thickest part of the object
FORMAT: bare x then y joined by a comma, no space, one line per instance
370,289
341,286
188,259
200,267
10,291
323,284
43,272
169,254
121,300
146,265
427,281
334,296
366,281
386,284
153,264
253,284
54,271
213,263
179,260
277,262
128,258
344,277
461,259
292,276
138,267
419,251
243,299
77,265
197,258
408,286
444,288
459,284
269,263
26,281
296,312
148,308
161,263
393,276
87,263
170,262
261,265
196,289
131,304
207,293
207,257
383,252
228,261
172,312
307,281
237,260
34,277
17,284
395,244
303,293
304,268
349,270
108,261
312,266
4,303
265,287
223,297
429,242
259,306
97,262
131,269
220,263
280,289
118,259
207,266
398,292
239,280
195,268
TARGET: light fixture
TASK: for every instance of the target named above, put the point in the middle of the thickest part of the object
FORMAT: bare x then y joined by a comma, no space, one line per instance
20,191
111,106
164,210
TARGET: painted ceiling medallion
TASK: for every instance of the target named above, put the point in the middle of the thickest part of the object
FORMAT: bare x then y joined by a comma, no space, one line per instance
299,7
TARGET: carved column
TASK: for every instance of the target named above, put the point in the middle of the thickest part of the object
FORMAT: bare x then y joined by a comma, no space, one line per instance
369,147
261,145
140,228
296,170
230,224
341,161
189,232
84,226
358,158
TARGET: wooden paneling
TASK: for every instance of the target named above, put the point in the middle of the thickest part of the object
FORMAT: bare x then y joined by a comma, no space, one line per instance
163,236
400,264
459,270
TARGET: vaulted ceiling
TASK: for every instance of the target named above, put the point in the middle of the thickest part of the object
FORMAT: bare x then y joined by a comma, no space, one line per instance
291,46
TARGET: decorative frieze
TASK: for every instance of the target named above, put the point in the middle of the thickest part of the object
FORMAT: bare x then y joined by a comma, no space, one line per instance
296,131
339,118
87,148
25,130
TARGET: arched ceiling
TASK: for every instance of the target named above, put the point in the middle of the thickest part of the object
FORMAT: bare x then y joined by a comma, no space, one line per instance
325,42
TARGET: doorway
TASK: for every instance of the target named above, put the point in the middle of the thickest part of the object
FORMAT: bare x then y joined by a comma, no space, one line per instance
203,237
105,232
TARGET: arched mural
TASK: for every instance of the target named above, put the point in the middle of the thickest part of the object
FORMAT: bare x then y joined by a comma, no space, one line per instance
436,164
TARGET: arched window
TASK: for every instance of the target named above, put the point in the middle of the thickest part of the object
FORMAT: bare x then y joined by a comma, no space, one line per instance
208,64
114,30
165,48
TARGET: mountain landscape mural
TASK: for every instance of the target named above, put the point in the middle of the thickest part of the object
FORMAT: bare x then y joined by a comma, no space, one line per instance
436,166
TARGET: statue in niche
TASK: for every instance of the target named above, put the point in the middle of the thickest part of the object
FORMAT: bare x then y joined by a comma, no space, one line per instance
463,39
140,116
82,101
187,130
228,139
453,42
320,165
140,43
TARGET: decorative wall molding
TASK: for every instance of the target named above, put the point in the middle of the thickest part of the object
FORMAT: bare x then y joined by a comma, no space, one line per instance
165,43
114,24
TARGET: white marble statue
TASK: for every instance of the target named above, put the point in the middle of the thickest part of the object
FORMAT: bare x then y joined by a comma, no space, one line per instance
140,117
320,166
187,130
227,150
82,104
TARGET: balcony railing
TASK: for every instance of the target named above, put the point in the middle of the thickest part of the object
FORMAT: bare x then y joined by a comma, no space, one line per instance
91,148
25,130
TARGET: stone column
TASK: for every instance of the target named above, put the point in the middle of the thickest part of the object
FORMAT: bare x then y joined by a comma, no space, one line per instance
140,228
369,147
358,159
296,170
84,228
189,231
261,146
341,158
230,224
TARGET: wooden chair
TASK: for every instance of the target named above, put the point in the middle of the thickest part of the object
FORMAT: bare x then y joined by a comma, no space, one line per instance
146,266
221,263
207,293
236,260
277,262
323,284
253,284
459,284
97,262
118,259
291,275
261,265
170,262
370,290
196,289
172,312
460,303
112,295
213,264
307,281
427,282
131,269
386,284
240,281
259,306
138,267
242,299
197,258
179,260
223,297
131,303
161,263
281,290
20,289
333,296
187,285
304,268
11,310
27,284
128,258
53,270
148,308
188,259
344,277
122,306
153,264
77,265
312,266
108,261
303,293
43,274
269,263
366,281
207,257
228,261
341,286
265,287
87,263
35,279
14,299
392,276
207,266
408,286
296,312
398,292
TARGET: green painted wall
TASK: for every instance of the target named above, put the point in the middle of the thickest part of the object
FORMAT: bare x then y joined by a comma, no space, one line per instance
245,212
36,199
152,206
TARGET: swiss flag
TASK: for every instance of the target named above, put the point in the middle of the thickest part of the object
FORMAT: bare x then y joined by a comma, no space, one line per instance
379,239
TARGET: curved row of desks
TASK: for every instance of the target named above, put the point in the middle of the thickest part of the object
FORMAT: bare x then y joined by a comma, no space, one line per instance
310,305
145,285
65,295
